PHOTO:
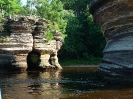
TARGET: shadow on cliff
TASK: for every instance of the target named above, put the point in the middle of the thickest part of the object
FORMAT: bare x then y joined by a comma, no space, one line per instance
33,60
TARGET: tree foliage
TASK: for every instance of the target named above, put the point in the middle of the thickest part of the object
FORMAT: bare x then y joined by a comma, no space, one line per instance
9,7
51,10
84,37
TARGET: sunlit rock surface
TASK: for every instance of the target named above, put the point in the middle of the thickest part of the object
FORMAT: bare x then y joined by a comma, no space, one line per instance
23,44
116,20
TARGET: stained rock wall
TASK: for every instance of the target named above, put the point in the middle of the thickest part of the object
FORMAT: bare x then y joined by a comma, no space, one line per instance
116,20
23,45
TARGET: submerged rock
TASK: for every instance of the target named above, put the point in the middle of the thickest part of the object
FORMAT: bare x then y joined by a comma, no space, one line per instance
116,20
22,45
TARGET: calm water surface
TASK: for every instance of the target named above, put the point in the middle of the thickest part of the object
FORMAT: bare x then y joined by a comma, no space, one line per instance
70,83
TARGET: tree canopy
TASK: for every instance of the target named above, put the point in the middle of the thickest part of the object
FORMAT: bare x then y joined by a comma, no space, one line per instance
52,10
84,37
9,7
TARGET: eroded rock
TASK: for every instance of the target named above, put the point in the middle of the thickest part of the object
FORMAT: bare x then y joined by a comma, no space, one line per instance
115,19
21,39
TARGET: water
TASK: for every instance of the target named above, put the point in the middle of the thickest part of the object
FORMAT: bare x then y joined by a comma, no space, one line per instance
70,83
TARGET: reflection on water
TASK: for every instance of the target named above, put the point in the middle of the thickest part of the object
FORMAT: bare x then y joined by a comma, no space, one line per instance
31,85
70,83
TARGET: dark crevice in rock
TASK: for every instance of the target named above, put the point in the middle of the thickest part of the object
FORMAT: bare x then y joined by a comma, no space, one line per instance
33,60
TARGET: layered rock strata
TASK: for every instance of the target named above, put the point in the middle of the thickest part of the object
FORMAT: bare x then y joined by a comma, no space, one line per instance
23,45
116,20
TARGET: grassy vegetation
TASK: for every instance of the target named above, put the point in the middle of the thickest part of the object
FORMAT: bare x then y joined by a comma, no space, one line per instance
82,61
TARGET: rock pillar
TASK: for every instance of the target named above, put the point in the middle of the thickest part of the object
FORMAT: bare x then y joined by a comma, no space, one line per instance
46,48
116,20
17,42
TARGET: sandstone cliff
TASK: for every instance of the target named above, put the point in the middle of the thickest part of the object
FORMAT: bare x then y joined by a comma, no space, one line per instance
23,44
116,20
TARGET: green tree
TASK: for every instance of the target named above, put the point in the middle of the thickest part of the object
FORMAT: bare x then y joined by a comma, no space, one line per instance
29,8
73,43
9,7
84,37
53,11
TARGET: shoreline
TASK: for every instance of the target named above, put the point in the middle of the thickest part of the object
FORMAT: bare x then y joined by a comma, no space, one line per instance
81,66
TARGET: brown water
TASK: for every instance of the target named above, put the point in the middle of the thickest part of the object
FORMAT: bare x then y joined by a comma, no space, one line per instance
70,83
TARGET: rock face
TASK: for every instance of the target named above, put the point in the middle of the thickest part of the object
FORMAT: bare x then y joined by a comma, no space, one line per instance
116,20
23,45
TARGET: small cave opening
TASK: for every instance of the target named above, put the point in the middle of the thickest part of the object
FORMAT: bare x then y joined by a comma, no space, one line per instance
33,60
52,60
